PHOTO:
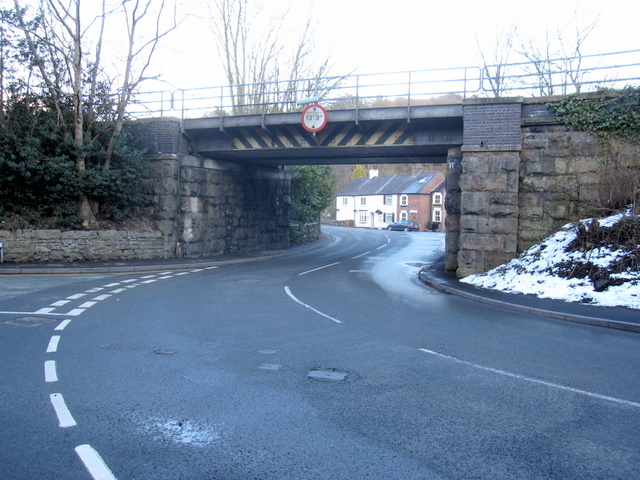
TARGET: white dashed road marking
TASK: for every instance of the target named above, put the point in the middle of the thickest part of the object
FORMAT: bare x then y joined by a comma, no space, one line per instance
93,463
292,296
50,373
535,380
53,344
65,419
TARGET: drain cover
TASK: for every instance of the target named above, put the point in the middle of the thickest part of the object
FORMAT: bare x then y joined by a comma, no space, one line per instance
29,321
327,375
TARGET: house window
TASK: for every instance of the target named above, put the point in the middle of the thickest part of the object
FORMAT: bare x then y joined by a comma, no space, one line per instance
404,201
388,218
403,215
363,217
437,215
345,200
363,200
437,198
388,199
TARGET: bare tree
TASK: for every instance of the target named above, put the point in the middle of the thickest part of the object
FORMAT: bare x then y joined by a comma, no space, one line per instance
262,75
495,60
58,43
557,63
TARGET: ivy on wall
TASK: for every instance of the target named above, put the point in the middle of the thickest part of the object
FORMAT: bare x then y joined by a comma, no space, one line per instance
611,114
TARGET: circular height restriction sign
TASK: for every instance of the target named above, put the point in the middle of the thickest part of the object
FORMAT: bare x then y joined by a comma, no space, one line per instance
314,118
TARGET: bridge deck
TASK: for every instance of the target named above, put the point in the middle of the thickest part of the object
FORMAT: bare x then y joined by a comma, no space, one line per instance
419,134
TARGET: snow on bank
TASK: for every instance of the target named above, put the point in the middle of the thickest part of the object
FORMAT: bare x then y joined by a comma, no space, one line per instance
535,272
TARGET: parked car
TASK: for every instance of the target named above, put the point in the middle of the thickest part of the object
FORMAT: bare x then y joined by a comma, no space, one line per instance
406,225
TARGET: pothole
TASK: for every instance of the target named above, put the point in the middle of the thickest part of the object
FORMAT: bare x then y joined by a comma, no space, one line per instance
29,321
116,348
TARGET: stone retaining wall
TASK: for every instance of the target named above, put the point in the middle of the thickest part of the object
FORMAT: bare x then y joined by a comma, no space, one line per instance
74,246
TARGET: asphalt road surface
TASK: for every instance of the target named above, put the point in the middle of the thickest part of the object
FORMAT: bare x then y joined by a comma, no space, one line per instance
336,363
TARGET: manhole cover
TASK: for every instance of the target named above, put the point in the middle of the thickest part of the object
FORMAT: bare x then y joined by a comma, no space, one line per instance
166,352
29,321
333,375
270,366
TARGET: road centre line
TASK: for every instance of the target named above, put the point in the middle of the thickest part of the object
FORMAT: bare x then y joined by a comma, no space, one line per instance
319,268
65,419
53,344
94,463
361,255
50,372
535,380
63,325
292,296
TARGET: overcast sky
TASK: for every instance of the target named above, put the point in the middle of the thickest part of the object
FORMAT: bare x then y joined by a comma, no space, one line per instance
371,36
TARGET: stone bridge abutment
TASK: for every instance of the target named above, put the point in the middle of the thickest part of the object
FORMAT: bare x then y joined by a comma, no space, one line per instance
519,176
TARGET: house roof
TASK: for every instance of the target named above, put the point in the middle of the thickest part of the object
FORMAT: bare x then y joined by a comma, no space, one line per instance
397,184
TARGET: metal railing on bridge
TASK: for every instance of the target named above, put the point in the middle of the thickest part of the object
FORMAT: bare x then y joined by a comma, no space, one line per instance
558,76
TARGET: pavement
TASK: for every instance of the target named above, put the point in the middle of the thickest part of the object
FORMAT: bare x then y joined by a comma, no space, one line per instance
433,275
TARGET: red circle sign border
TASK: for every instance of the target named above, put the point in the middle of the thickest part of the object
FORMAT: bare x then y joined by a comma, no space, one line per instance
324,123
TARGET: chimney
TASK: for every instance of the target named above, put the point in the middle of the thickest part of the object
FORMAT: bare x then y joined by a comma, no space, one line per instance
416,170
373,173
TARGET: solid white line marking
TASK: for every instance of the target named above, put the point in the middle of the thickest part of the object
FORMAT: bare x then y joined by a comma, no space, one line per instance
535,380
87,304
99,298
63,325
59,303
319,268
93,463
65,419
361,255
50,373
75,312
53,344
45,310
286,289
76,296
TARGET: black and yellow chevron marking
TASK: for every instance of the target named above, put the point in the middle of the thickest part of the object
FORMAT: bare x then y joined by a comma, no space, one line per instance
380,134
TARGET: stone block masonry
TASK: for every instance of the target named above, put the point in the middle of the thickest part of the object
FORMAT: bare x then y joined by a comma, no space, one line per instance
522,176
200,207
75,246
